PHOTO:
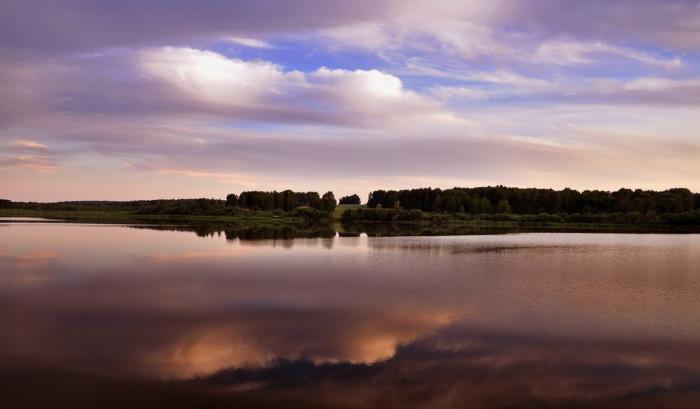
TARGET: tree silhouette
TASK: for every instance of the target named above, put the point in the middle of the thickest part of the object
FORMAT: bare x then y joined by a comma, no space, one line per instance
350,200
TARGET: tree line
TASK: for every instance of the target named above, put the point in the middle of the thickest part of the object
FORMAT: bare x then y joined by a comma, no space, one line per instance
285,200
478,200
502,199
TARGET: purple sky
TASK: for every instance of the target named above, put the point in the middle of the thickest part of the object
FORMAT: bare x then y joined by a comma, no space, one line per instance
157,99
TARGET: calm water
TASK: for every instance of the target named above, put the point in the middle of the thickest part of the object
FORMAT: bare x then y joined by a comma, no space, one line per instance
95,315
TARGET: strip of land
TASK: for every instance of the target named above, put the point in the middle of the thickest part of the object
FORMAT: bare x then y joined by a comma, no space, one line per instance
425,210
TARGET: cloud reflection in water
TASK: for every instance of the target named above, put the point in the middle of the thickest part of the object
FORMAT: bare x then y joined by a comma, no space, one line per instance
370,322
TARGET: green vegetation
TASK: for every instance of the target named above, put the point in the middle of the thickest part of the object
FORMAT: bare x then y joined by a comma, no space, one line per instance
286,200
471,207
179,210
302,216
246,205
501,199
340,209
625,207
418,217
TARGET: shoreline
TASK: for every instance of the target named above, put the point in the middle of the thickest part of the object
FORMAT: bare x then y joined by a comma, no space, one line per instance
451,226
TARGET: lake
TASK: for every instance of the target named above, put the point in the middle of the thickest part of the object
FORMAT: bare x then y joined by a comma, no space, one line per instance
131,316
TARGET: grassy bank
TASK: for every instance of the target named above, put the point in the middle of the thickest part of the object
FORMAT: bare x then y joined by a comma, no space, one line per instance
475,227
105,216
685,221
356,219
340,209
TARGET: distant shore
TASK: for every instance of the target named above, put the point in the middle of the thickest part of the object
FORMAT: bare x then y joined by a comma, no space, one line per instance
374,222
107,216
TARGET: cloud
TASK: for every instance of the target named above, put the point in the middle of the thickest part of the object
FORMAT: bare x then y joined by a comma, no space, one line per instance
567,32
652,22
250,42
204,85
356,94
223,177
78,25
661,84
29,162
27,154
469,28
458,92
262,90
212,77
508,86
509,78
575,53
583,147
21,143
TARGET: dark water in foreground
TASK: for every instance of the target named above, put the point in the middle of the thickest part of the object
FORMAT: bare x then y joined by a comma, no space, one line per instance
110,316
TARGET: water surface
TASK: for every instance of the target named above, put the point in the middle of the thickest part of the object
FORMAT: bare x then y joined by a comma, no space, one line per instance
157,317
24,219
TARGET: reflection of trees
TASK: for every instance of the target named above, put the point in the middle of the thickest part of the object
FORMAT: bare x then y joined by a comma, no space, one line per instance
407,229
280,233
251,232
233,231
382,229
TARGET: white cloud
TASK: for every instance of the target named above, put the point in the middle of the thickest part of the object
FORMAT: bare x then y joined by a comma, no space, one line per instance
360,87
660,84
424,28
331,95
510,78
364,35
211,76
250,42
560,52
523,32
499,85
446,93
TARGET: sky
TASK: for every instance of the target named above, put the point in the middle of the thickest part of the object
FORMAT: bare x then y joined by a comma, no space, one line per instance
145,99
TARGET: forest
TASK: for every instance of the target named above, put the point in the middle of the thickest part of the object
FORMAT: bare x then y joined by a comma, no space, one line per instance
504,200
285,201
676,207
